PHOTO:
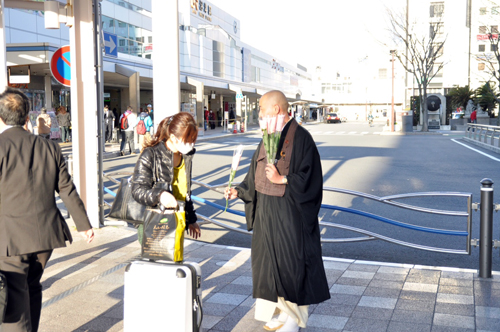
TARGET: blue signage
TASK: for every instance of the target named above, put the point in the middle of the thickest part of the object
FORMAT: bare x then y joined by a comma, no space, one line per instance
110,44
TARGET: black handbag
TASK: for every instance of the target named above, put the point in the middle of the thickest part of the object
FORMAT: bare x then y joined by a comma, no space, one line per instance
3,297
125,207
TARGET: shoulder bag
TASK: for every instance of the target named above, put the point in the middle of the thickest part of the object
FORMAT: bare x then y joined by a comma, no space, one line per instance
125,207
3,297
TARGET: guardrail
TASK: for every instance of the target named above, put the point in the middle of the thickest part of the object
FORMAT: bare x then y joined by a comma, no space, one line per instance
485,242
487,136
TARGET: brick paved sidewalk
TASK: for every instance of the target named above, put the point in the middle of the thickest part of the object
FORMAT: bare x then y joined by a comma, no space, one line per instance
83,291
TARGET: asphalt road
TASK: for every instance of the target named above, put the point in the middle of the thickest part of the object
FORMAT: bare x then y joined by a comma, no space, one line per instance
357,157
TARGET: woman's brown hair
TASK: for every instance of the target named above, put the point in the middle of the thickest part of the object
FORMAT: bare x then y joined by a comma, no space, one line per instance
181,125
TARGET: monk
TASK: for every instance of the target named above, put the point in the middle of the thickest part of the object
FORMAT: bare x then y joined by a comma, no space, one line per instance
282,201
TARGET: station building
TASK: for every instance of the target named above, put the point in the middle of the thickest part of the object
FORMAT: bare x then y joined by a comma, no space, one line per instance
216,67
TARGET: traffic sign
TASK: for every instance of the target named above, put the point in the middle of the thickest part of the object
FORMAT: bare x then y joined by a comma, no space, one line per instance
60,66
239,96
110,44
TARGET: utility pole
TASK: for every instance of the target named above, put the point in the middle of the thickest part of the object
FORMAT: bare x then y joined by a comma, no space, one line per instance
406,54
392,97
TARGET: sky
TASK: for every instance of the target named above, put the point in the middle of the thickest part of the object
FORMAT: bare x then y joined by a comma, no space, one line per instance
333,34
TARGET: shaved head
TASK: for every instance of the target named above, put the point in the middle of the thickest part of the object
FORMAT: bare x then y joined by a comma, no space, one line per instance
276,97
273,103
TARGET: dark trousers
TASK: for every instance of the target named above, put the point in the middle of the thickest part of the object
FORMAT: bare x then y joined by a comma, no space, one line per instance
24,299
109,131
65,134
127,137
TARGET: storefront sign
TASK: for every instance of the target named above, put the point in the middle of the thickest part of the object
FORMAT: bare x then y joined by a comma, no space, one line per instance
60,66
484,57
277,67
487,37
202,9
18,86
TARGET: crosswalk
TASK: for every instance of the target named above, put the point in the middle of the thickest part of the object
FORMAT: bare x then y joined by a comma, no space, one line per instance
333,133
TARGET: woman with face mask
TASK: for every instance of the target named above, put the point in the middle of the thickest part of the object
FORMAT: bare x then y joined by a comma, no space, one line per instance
167,158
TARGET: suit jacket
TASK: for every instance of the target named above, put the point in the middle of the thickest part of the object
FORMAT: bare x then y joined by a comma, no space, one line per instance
32,169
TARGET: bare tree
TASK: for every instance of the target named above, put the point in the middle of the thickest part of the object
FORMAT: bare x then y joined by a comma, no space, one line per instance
491,59
422,49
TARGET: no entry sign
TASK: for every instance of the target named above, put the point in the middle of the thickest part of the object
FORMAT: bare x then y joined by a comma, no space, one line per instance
60,66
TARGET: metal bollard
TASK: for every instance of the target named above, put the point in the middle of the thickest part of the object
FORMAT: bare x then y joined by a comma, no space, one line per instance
486,229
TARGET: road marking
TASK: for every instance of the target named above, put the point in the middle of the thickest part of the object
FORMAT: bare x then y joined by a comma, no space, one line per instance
329,133
340,132
352,132
364,133
480,152
223,147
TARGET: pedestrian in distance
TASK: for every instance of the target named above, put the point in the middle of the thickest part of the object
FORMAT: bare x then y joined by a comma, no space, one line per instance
144,127
128,122
473,116
281,206
64,120
370,119
33,168
151,112
231,115
211,119
207,117
170,152
109,123
44,123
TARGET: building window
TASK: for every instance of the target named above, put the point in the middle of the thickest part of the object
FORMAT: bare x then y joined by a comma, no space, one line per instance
435,70
122,29
438,49
481,48
494,47
382,73
108,24
436,9
481,66
494,29
482,11
482,29
436,30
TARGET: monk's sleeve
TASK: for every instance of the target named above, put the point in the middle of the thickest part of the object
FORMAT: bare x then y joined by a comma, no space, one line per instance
305,181
246,191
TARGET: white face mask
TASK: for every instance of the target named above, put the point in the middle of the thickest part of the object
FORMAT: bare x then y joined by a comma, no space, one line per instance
182,147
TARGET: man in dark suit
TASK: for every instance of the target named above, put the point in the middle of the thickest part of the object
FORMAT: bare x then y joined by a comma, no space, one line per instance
32,169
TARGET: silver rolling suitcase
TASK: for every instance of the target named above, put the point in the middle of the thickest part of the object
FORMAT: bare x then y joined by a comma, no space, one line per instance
162,296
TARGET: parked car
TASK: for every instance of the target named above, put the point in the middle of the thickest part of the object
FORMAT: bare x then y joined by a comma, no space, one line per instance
332,117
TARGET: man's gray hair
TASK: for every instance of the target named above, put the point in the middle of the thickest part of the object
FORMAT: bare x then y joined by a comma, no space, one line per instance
14,107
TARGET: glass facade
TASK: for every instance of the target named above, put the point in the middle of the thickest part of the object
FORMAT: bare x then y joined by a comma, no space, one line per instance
131,6
132,40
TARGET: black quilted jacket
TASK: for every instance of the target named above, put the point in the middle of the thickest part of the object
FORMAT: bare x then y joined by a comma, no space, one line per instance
145,175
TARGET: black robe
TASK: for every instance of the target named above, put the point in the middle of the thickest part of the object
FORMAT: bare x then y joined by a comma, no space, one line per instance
286,247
